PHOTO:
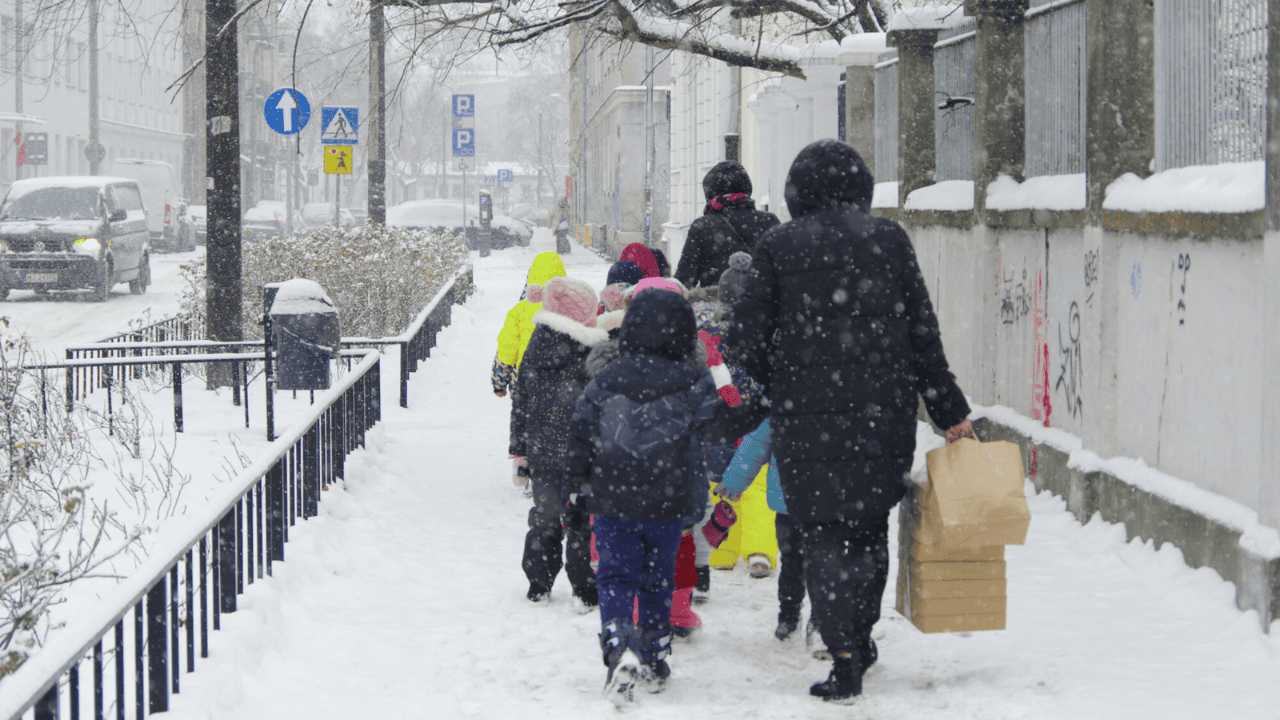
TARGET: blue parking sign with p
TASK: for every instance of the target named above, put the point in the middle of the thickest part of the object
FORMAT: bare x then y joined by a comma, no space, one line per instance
464,105
464,142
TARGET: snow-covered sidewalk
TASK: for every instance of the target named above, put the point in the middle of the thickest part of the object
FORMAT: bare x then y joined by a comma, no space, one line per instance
405,599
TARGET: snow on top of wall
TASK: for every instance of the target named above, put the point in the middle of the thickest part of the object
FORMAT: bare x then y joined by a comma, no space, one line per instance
928,17
824,50
885,195
1254,536
946,195
1044,192
1223,188
864,42
300,296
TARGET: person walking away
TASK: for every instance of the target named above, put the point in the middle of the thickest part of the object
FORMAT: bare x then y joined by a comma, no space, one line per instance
550,380
836,323
622,276
752,537
562,226
518,326
730,223
684,620
633,446
513,338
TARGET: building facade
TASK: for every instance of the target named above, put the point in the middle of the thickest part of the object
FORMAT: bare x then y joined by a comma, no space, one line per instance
612,117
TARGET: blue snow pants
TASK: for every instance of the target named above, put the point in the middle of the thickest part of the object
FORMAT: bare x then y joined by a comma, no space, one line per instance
637,557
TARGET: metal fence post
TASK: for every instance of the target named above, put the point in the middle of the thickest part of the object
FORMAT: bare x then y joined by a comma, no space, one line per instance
225,562
310,474
177,397
157,656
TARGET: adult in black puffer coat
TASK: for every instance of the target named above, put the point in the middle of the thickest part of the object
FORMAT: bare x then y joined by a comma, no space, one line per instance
856,341
551,378
730,223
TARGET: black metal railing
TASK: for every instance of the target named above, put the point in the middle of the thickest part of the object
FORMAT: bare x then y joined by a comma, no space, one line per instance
100,365
142,634
189,581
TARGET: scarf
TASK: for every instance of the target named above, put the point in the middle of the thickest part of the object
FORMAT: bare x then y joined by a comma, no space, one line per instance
720,202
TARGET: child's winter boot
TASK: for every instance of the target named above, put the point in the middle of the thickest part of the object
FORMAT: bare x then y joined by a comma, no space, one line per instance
844,683
683,619
624,666
654,645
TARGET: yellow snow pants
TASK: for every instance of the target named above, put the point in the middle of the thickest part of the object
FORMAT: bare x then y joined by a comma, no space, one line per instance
753,532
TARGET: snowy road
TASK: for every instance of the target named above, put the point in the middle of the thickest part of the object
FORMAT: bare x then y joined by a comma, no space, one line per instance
64,319
405,599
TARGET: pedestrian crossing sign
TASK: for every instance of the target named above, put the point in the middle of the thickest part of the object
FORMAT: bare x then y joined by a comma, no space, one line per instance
337,160
339,125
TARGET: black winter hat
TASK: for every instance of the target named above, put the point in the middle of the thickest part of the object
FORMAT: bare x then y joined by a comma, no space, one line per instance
660,322
828,174
664,267
724,178
733,281
624,271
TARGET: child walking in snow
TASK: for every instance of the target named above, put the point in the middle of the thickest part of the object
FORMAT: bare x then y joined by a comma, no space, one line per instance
551,378
514,338
634,452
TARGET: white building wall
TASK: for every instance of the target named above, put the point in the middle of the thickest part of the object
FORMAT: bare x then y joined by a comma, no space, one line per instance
139,56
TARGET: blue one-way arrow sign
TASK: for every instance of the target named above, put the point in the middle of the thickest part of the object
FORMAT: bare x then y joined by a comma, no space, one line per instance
286,111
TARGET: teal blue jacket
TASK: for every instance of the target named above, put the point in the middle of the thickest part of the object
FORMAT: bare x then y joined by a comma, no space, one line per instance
756,450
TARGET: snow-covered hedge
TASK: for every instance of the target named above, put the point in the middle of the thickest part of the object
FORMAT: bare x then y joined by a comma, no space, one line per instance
379,277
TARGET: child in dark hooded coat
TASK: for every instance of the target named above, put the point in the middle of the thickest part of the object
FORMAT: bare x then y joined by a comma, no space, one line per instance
635,452
551,378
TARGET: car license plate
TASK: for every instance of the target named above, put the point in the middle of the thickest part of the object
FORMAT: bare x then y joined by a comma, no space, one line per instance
40,277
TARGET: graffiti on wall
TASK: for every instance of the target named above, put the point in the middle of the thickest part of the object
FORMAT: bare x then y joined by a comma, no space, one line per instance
1090,275
1135,280
1015,298
1071,371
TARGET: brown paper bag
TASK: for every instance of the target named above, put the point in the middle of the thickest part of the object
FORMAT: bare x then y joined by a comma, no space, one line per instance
975,496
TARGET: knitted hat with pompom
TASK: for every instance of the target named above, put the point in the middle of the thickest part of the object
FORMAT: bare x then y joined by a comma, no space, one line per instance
566,296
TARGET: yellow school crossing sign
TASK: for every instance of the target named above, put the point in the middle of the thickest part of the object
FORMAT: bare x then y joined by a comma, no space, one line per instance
337,159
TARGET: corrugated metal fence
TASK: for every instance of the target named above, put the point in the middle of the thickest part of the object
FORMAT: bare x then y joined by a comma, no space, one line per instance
1055,85
953,91
1210,81
1210,89
887,117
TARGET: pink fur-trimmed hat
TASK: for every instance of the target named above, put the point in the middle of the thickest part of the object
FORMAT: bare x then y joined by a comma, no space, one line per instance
658,282
566,296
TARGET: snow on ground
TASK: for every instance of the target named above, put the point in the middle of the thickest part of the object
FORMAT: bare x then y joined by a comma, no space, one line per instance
405,599
63,319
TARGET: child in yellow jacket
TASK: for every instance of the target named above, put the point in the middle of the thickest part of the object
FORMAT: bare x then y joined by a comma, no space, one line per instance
518,328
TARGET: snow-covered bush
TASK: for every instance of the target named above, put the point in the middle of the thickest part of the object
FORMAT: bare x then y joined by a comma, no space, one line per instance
379,277
54,529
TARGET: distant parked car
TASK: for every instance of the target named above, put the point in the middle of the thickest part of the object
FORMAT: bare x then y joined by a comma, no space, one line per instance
321,214
65,233
360,215
198,219
263,221
448,214
284,212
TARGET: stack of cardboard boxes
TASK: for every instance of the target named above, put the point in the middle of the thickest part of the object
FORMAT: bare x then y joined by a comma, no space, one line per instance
947,589
952,578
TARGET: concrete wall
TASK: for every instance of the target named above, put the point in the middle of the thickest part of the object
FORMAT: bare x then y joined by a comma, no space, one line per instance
1021,311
